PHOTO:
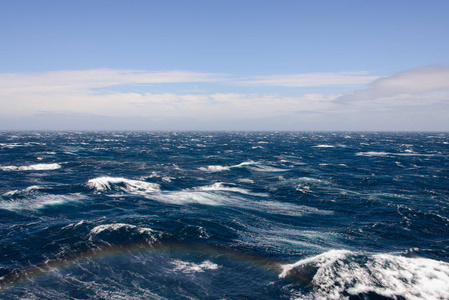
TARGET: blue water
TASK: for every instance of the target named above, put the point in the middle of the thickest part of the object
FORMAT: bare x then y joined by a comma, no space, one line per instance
224,215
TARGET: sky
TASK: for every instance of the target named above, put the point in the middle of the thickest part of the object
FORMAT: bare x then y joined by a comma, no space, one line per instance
224,65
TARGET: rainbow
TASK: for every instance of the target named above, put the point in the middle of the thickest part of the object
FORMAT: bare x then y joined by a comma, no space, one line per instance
29,274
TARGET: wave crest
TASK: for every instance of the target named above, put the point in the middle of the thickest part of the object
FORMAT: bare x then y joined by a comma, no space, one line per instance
121,233
100,184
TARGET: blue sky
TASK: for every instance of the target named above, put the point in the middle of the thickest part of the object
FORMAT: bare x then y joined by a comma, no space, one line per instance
224,65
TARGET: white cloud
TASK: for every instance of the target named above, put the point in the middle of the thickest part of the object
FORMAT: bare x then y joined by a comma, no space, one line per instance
425,85
418,96
312,79
218,106
75,92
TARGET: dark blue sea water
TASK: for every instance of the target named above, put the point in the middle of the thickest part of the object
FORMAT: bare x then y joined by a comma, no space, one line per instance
224,215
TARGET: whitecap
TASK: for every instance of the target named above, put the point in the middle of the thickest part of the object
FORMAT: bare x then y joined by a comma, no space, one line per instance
26,191
168,179
323,146
381,153
36,167
214,168
245,180
119,183
372,153
117,226
251,165
189,267
338,273
11,145
256,166
107,232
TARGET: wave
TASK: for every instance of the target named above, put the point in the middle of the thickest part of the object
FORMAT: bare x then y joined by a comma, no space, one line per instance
256,166
217,194
220,186
215,168
36,167
117,226
11,145
289,209
15,145
382,153
271,236
250,165
264,168
39,202
121,233
105,183
197,197
245,180
223,198
340,274
24,192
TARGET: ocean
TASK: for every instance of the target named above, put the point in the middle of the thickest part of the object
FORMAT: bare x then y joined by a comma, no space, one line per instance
224,215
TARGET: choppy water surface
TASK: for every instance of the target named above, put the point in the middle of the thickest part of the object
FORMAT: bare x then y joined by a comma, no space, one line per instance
224,215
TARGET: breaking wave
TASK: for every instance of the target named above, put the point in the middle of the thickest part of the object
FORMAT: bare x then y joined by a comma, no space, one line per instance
100,184
340,274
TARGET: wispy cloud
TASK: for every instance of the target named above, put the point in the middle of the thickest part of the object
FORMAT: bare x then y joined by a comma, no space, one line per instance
217,106
77,92
312,79
85,80
418,86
